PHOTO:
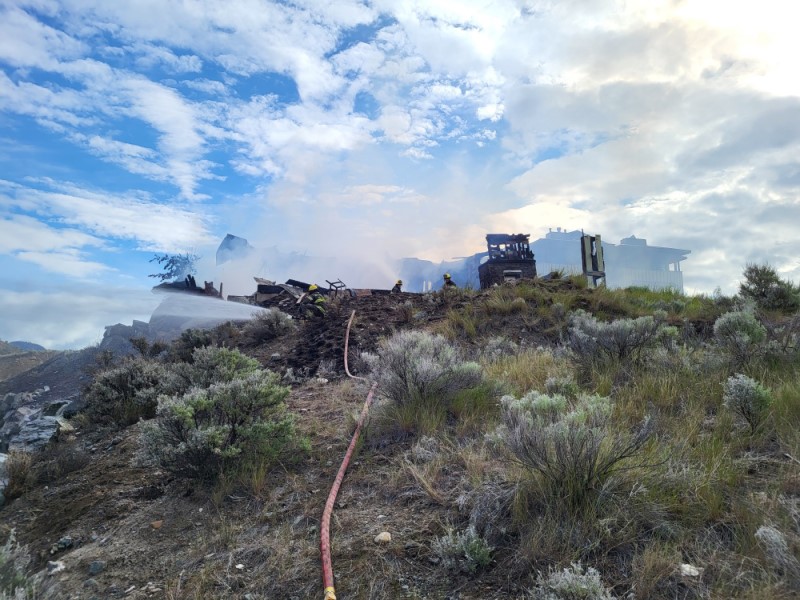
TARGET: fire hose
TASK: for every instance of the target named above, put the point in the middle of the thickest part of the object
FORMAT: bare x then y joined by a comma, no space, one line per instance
325,538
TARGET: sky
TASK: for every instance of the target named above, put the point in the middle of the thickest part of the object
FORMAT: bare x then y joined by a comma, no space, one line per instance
386,128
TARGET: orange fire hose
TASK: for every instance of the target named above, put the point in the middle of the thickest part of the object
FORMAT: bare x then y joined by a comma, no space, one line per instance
325,538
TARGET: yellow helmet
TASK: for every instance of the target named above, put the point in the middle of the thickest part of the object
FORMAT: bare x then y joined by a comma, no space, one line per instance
447,275
399,282
313,287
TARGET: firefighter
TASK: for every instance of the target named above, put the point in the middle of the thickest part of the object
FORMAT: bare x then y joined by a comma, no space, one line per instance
315,301
398,287
448,281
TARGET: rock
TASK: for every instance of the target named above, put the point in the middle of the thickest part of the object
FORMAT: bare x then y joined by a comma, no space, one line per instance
64,543
91,584
53,409
384,537
35,434
14,420
157,524
3,471
690,570
96,567
76,404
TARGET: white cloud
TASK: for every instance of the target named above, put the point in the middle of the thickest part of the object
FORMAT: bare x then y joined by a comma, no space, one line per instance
207,85
153,226
69,263
151,55
636,117
27,42
25,233
417,153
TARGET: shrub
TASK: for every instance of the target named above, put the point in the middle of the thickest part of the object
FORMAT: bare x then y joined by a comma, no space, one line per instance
739,335
267,325
465,550
124,394
147,349
571,449
748,399
572,583
183,348
420,375
406,312
212,365
499,346
784,343
763,286
241,422
621,341
15,583
563,386
777,551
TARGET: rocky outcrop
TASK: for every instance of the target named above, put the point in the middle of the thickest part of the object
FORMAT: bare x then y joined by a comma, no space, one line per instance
28,423
117,337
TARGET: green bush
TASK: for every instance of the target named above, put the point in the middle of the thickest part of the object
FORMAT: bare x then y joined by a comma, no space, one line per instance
622,341
571,449
763,286
122,395
748,399
740,336
239,423
183,348
463,550
420,374
212,365
15,583
573,583
414,365
499,346
146,348
267,325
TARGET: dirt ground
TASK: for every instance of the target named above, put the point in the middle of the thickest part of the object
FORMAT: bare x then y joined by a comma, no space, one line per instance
125,531
161,537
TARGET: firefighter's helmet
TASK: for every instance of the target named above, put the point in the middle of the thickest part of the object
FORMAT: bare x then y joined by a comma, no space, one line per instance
399,282
313,287
447,275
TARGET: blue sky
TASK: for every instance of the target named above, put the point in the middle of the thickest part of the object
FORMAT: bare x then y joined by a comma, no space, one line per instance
410,128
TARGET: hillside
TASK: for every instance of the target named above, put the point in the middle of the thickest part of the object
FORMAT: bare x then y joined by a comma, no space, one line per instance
635,456
7,348
17,361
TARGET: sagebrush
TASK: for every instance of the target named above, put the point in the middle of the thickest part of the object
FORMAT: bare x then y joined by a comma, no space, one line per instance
235,424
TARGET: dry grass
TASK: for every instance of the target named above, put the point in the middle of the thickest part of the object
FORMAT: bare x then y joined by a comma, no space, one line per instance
21,476
654,571
528,370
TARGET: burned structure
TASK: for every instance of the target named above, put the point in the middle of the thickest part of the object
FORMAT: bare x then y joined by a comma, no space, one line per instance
632,262
509,259
592,261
